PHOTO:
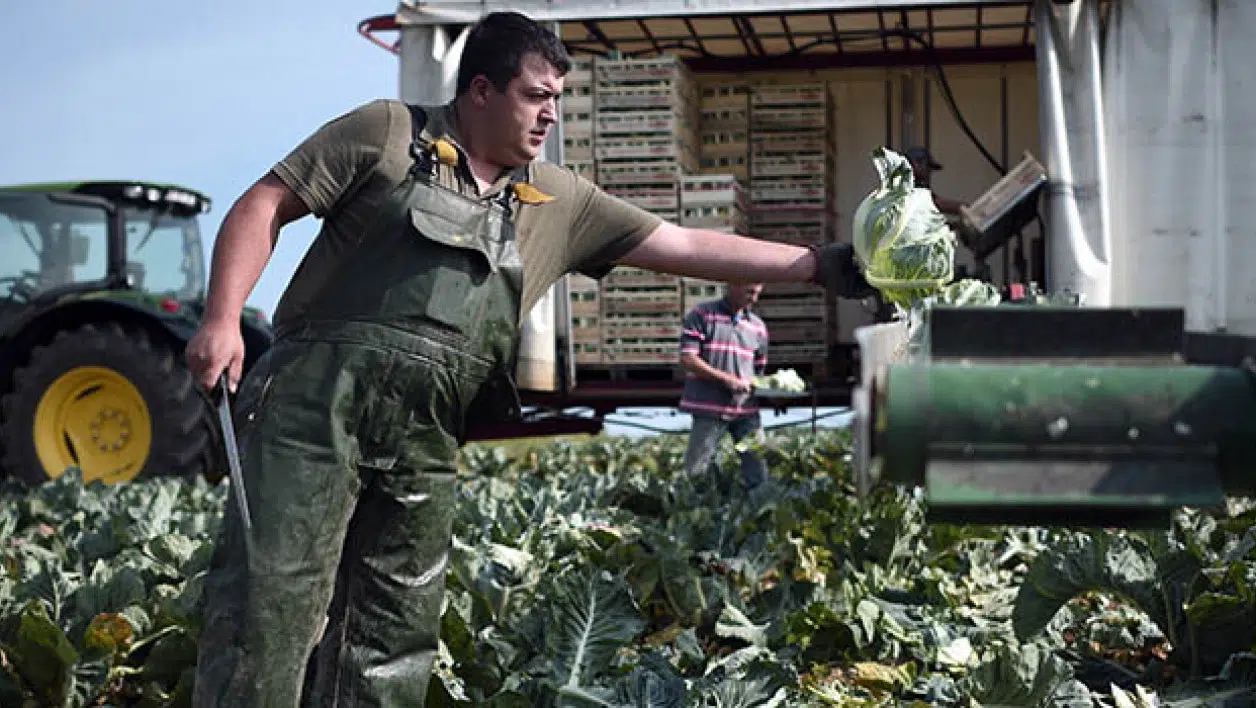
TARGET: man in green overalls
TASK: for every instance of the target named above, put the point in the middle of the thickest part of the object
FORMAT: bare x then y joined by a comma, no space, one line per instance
439,234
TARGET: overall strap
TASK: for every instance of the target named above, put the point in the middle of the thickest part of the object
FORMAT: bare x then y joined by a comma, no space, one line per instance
420,147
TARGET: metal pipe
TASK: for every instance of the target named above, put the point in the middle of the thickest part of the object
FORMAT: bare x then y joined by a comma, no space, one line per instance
1070,104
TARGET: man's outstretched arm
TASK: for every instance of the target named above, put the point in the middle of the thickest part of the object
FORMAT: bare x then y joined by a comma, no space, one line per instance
719,256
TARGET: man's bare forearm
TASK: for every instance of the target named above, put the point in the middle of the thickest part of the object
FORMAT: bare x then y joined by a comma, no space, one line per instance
719,256
696,366
243,248
245,244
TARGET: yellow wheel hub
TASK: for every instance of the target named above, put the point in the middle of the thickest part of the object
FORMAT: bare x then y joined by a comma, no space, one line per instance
95,419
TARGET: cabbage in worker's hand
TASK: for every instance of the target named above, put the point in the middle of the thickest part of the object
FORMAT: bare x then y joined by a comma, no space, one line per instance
902,241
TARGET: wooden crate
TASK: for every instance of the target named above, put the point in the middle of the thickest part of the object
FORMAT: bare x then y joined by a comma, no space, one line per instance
635,329
578,98
665,121
642,147
626,278
795,331
712,190
774,215
727,217
724,145
639,172
790,307
736,165
649,353
577,129
579,149
585,302
792,143
801,164
582,283
716,95
637,97
667,67
588,352
789,119
789,95
719,119
795,190
661,302
659,199
583,168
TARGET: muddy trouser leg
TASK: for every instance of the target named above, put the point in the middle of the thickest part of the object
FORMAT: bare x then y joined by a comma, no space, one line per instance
753,471
381,641
384,622
264,603
704,440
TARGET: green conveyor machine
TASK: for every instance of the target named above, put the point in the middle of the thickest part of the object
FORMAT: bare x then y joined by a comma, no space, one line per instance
1049,415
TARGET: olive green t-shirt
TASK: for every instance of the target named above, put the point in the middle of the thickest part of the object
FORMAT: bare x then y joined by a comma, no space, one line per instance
346,168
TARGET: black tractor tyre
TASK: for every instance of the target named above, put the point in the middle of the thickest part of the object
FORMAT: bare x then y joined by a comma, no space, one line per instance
183,426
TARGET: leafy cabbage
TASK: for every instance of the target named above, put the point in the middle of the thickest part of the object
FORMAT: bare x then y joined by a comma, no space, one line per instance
782,380
902,242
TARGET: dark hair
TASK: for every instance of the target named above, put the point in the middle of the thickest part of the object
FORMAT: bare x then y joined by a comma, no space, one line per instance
497,44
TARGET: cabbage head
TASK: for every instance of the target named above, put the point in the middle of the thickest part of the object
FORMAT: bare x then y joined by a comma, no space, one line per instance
902,241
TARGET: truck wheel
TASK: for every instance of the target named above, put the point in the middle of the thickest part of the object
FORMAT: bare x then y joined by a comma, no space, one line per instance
109,401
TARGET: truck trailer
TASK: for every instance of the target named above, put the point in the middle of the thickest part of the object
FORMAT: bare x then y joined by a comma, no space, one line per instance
1101,155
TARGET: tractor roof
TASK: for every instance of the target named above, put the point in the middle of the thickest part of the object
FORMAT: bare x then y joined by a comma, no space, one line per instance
117,190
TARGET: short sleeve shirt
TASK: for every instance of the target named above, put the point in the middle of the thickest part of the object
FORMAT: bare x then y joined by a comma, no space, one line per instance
732,342
349,166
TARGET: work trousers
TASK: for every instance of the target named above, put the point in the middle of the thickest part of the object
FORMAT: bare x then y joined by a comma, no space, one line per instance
704,441
349,452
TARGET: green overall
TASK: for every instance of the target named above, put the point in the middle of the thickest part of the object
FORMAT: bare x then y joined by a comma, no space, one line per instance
349,429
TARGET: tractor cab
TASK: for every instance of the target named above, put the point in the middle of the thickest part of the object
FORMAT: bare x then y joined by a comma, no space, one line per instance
101,286
58,239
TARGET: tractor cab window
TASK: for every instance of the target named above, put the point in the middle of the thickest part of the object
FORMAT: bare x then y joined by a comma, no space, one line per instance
46,244
164,253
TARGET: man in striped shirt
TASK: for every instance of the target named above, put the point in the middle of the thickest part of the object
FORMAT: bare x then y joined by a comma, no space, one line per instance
723,345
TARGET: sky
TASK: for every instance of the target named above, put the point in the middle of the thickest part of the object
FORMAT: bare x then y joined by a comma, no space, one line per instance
207,95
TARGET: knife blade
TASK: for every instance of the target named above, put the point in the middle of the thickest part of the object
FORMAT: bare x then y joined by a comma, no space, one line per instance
233,451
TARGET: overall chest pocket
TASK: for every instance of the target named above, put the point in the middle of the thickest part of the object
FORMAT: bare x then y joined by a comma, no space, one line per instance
459,249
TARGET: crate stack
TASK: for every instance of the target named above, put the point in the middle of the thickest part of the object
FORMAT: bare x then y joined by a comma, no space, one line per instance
645,139
578,114
725,126
791,186
718,202
585,308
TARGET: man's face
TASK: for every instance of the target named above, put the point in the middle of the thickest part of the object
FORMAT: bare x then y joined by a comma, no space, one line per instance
744,294
520,118
921,170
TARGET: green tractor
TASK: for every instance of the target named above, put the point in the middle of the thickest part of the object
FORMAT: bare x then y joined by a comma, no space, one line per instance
101,286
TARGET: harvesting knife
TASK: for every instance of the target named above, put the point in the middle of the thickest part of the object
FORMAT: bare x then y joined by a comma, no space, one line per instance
233,452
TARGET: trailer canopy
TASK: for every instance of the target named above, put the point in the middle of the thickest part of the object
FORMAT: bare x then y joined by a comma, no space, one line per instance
751,35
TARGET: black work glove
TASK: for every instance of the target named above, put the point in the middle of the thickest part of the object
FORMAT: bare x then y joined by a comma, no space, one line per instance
837,271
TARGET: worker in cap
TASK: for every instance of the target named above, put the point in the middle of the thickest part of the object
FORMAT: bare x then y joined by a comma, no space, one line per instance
923,165
440,231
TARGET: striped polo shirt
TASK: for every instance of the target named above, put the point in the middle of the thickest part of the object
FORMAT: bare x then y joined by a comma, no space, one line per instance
736,343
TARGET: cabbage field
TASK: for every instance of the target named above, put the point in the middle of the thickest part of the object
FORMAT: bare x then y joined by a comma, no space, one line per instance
593,574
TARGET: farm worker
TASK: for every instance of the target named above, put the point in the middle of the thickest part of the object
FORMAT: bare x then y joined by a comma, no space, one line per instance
923,165
723,346
439,234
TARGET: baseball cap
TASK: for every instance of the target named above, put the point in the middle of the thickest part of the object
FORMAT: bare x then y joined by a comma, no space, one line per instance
922,154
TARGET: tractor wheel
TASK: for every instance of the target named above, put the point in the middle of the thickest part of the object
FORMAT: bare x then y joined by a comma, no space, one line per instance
109,401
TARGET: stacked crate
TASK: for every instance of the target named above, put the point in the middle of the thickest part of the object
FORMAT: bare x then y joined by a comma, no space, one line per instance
718,202
645,131
791,173
586,318
578,113
725,126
